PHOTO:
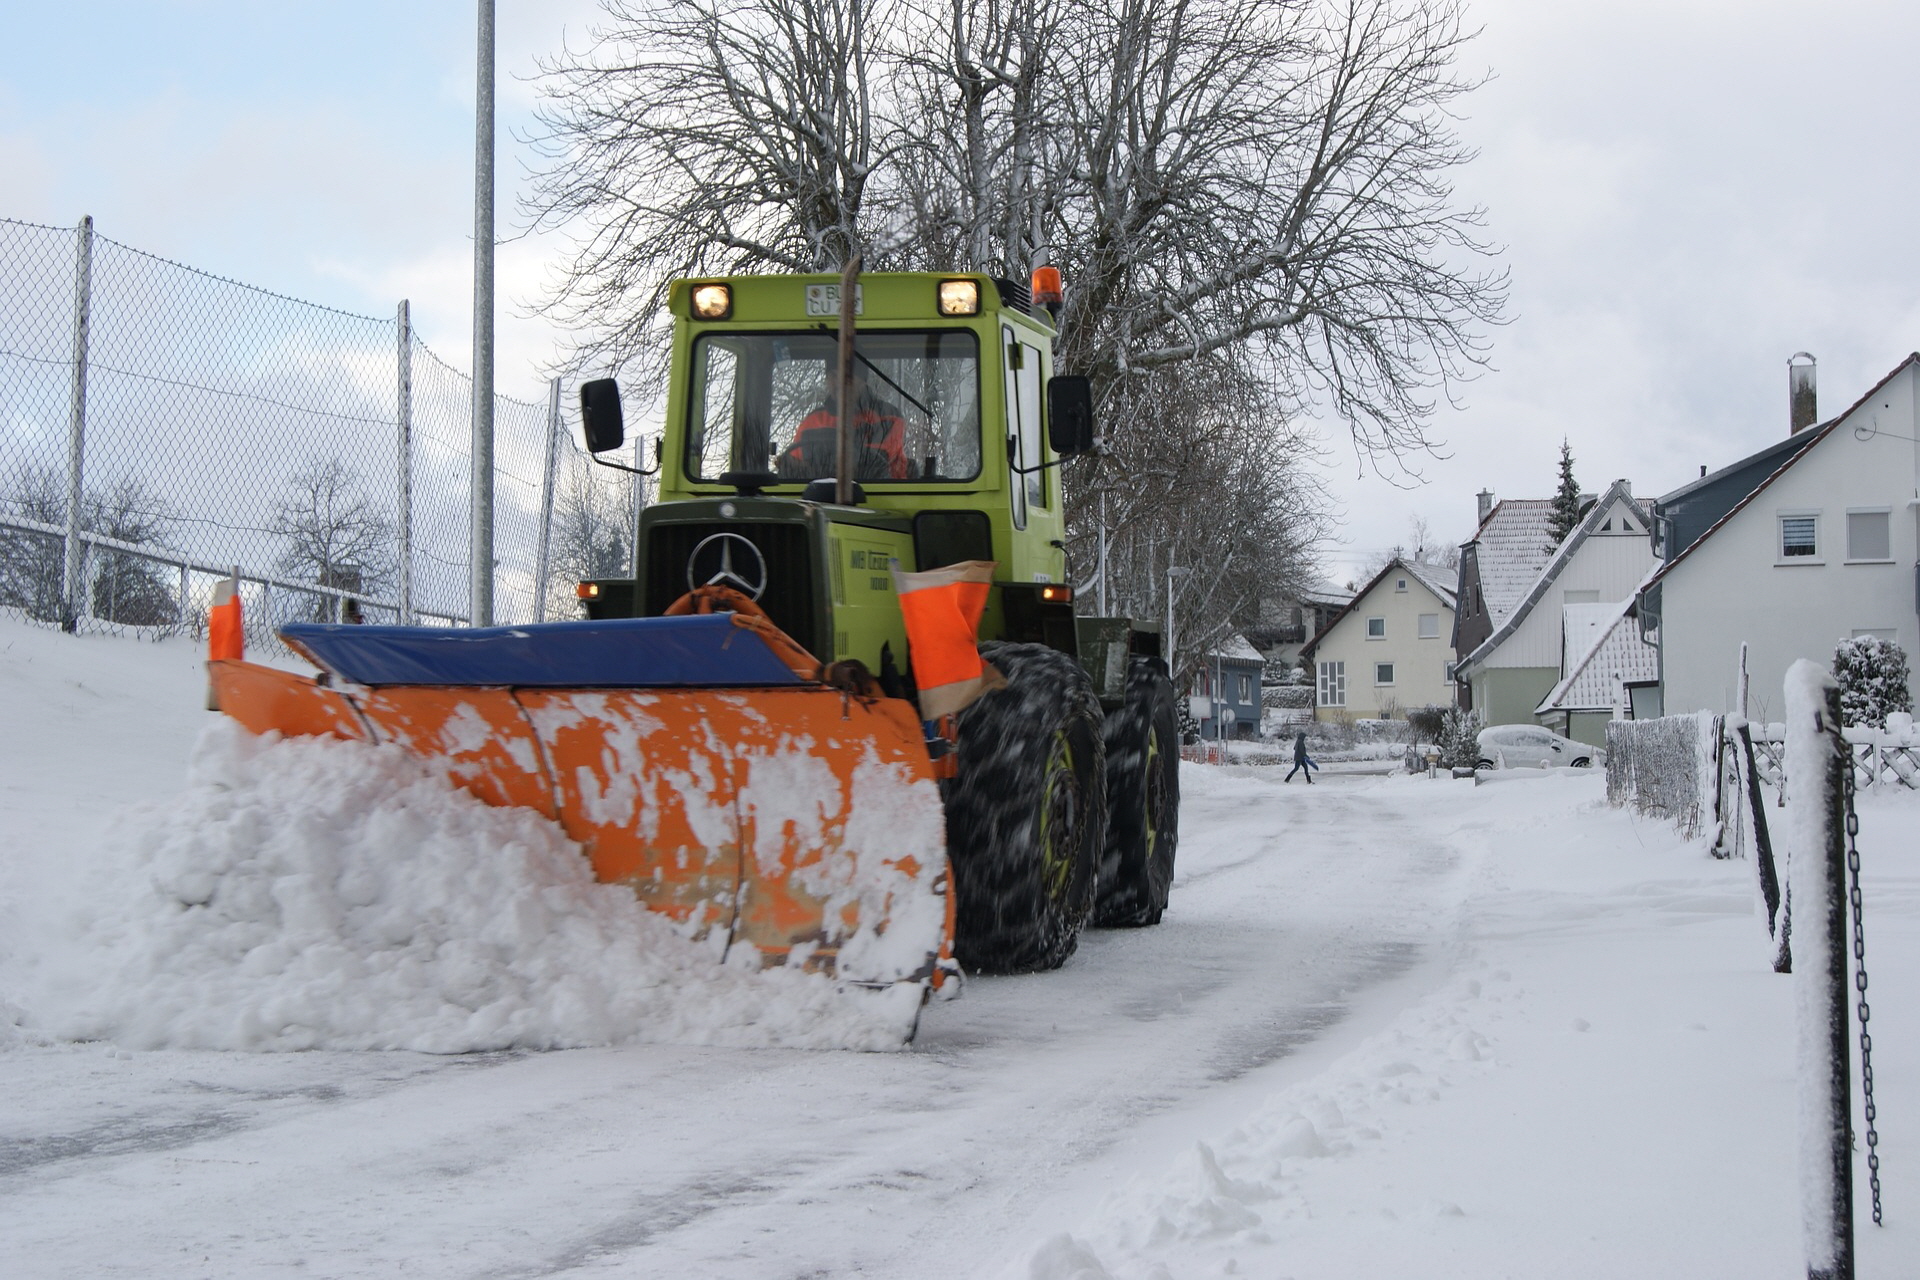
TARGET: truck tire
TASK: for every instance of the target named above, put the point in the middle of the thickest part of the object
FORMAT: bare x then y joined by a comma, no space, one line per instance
1143,800
1026,813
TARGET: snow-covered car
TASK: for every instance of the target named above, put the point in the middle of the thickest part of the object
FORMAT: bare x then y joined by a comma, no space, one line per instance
1516,746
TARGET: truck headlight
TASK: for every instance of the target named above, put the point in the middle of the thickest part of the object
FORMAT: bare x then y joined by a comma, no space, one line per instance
959,297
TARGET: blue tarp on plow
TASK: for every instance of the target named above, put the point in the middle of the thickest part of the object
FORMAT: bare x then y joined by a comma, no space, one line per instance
618,653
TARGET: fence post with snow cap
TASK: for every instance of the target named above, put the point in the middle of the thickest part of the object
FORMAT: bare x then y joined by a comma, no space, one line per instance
1818,762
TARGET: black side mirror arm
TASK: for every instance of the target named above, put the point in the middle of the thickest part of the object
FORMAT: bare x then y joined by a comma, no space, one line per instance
599,461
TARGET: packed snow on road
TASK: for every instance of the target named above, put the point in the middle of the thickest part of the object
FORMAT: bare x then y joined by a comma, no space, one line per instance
301,1008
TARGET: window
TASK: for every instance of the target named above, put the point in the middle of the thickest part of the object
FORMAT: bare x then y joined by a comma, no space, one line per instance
1376,628
1333,684
758,403
1383,673
1799,537
1399,584
1243,689
1429,626
1453,673
1868,537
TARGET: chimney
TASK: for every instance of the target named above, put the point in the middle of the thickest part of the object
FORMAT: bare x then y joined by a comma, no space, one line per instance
1486,505
1802,407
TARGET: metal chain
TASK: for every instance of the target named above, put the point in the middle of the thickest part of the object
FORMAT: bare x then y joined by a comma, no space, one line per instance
1860,986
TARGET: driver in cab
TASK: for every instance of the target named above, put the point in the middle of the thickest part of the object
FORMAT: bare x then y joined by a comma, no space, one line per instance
879,437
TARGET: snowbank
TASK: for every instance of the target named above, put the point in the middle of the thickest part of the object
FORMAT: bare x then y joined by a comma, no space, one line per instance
309,894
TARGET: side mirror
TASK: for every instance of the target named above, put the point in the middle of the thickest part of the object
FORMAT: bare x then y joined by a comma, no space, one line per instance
600,418
1070,414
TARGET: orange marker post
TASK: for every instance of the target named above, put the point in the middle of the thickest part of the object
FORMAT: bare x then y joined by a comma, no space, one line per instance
942,608
226,630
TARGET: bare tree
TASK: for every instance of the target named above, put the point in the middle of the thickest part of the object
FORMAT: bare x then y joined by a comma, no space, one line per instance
31,563
334,534
130,588
592,534
705,135
1251,200
126,587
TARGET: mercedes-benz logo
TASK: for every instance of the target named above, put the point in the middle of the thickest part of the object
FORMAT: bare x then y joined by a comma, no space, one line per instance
711,565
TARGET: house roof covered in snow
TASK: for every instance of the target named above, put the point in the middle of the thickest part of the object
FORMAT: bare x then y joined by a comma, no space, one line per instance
1437,578
1511,546
1236,647
1611,650
1544,577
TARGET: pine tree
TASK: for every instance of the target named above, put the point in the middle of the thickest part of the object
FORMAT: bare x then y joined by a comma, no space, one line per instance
1565,515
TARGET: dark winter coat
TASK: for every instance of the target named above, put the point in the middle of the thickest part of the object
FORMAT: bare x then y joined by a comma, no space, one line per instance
1300,749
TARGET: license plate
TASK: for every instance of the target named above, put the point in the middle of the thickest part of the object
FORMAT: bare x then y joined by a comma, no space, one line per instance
824,299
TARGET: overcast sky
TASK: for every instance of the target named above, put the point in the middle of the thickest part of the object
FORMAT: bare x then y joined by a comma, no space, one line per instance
1687,193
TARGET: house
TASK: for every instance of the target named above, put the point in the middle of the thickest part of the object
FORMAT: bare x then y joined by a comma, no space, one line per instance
1514,670
1390,649
1225,700
1290,620
1610,670
1509,547
1819,549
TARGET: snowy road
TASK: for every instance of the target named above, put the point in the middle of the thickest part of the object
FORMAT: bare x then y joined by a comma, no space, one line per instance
1017,1106
1391,1026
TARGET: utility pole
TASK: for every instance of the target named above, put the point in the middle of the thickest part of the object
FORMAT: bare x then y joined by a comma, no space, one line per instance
480,582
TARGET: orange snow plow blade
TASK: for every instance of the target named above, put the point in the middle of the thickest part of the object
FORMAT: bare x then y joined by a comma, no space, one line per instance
798,821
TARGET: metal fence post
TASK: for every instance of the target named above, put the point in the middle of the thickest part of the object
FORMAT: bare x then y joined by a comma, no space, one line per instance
544,549
1818,761
404,419
73,587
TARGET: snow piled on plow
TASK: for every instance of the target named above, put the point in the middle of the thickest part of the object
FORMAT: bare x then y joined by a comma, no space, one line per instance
315,894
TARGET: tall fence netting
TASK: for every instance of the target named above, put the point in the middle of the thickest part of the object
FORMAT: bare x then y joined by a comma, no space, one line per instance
183,425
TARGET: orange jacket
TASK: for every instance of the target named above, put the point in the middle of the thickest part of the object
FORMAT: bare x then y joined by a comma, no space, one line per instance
883,433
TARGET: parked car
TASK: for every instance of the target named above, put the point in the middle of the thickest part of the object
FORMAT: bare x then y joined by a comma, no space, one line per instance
1529,746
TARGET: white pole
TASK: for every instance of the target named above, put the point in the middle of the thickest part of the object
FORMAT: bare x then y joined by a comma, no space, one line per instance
480,589
403,393
542,557
73,588
1103,553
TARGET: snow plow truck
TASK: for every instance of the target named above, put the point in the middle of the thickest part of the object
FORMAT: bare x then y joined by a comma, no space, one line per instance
843,712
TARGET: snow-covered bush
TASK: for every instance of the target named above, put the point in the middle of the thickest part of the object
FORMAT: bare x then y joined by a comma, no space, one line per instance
1873,680
1290,696
1460,738
1425,724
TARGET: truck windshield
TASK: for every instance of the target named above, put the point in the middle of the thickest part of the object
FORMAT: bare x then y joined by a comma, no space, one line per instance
761,402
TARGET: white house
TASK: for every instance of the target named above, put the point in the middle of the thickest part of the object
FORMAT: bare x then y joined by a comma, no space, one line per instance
1391,649
1824,548
1515,670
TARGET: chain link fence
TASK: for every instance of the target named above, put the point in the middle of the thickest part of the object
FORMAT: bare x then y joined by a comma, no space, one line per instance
161,427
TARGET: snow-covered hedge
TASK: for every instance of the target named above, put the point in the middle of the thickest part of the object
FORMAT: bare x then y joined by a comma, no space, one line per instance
1289,696
1664,767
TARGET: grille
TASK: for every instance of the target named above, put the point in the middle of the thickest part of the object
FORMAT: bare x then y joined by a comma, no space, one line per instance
791,598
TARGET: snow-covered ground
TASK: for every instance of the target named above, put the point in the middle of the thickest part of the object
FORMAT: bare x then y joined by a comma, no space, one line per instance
1391,1026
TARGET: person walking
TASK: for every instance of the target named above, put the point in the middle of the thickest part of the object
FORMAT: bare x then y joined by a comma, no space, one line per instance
1300,758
